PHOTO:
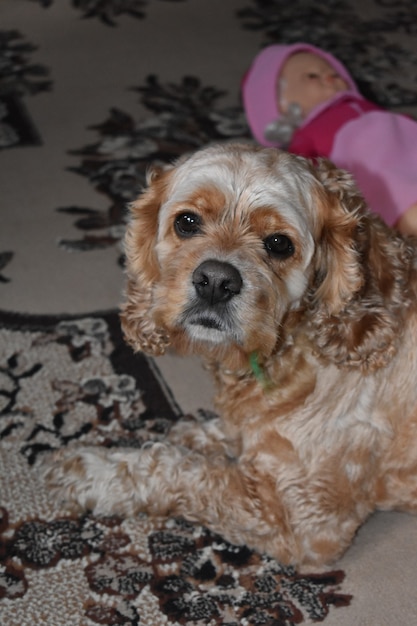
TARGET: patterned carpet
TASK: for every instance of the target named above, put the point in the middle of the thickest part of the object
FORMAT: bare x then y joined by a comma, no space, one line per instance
92,92
75,380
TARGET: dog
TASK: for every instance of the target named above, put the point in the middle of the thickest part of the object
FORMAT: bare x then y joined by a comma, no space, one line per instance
303,304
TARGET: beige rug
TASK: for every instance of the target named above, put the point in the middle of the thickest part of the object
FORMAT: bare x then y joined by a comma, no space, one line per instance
91,92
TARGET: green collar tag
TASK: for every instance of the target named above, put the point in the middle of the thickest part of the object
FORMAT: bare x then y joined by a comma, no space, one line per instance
257,370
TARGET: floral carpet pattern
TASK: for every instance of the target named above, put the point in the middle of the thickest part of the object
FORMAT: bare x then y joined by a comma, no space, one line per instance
19,77
74,381
107,10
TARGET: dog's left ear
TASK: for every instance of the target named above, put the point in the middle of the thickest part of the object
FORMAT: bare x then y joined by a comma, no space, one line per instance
142,268
361,287
338,271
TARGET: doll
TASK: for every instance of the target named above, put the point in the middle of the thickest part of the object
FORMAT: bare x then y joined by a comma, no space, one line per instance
302,99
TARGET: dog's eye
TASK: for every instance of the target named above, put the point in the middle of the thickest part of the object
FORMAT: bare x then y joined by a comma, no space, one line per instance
187,224
279,246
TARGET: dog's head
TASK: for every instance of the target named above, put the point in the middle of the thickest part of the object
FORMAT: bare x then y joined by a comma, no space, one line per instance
232,244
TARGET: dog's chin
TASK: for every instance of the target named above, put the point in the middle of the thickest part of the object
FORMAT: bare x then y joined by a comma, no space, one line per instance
207,335
211,329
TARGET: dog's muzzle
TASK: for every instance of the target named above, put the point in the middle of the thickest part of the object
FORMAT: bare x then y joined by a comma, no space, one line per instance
210,314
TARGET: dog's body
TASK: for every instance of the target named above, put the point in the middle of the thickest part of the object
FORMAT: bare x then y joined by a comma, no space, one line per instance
305,307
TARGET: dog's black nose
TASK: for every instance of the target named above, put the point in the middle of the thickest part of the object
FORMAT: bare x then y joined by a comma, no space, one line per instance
216,281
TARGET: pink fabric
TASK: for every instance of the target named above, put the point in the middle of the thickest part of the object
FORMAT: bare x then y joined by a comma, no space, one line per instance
380,150
377,147
317,134
259,84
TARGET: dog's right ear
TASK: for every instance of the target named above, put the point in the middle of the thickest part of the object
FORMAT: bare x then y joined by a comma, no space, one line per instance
363,285
142,267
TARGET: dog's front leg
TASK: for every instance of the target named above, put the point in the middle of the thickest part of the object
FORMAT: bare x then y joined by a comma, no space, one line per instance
204,436
163,479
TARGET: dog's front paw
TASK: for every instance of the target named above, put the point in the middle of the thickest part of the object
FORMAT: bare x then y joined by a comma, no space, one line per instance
85,479
120,481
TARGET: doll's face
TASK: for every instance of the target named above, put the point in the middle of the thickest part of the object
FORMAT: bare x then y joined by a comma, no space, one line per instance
307,80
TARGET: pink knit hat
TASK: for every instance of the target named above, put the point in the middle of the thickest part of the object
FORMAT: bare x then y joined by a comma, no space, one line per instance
259,85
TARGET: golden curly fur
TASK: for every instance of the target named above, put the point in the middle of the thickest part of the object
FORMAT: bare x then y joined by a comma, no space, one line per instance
304,306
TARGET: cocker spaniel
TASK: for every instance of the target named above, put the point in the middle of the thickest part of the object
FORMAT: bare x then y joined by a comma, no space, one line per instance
304,306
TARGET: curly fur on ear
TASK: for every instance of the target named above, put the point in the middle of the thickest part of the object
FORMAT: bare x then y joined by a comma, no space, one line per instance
142,268
337,264
363,267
